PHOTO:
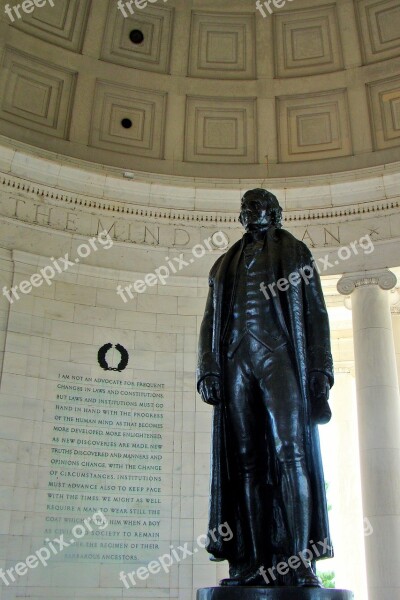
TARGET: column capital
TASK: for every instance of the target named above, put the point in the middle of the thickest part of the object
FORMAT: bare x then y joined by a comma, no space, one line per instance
383,278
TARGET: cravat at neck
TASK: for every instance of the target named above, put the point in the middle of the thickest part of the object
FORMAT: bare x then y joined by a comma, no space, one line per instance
256,236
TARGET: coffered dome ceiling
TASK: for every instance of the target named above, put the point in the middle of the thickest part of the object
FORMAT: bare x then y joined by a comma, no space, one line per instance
206,88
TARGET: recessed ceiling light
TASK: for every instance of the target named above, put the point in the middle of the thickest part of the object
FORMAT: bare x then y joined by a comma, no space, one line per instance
136,36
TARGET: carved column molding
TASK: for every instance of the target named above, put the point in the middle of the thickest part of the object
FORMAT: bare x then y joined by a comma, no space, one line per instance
383,278
378,408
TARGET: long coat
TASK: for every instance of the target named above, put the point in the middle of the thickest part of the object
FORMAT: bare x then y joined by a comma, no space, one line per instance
303,316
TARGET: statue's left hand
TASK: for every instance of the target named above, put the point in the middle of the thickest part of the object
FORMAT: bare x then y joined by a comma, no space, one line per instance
210,390
319,392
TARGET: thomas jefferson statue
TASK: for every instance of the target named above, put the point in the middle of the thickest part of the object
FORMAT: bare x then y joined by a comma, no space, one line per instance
266,366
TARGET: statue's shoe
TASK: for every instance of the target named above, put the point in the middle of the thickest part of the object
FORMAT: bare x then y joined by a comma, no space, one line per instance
251,579
305,577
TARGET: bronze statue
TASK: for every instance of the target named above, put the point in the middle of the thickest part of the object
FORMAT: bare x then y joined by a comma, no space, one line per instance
266,366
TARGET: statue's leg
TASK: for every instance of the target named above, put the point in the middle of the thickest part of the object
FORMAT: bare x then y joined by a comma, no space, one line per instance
258,509
284,403
245,422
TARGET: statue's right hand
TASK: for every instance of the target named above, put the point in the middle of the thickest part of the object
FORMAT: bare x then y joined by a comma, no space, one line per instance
210,390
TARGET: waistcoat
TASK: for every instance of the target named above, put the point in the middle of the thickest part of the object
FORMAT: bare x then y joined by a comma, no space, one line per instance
251,312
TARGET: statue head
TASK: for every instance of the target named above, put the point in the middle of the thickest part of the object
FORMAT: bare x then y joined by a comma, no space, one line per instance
260,210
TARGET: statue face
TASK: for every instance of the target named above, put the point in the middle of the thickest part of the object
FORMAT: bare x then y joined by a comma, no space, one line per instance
255,213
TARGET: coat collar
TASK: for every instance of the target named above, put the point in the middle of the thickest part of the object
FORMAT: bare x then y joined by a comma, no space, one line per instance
239,245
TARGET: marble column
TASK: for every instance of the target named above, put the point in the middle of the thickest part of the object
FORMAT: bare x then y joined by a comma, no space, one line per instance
396,328
378,408
347,511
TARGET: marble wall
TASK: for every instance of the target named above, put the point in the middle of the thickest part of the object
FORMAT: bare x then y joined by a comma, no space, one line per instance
55,332
52,336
